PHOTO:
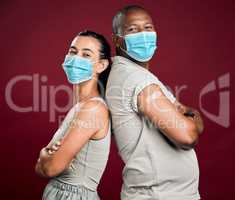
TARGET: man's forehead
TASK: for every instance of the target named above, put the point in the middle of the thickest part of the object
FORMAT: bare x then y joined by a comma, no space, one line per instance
137,15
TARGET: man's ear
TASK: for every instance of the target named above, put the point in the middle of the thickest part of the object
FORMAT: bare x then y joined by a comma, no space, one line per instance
117,41
103,64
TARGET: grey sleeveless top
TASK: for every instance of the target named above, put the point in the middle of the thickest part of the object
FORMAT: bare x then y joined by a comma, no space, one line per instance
89,164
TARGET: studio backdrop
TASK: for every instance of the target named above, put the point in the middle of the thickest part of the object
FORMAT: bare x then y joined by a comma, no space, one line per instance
195,59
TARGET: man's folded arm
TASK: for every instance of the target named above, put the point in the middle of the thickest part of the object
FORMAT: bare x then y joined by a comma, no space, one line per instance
173,119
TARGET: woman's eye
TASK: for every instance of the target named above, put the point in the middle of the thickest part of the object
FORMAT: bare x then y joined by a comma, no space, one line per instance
86,55
72,53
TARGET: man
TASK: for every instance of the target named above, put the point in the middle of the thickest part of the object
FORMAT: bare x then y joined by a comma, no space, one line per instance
155,133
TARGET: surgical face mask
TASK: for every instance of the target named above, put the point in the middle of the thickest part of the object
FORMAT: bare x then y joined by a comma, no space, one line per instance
77,69
141,46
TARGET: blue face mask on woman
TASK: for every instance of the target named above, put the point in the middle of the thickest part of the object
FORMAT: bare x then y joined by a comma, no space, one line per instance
77,69
141,46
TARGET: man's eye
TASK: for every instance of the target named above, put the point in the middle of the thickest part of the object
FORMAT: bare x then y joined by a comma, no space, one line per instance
149,27
131,29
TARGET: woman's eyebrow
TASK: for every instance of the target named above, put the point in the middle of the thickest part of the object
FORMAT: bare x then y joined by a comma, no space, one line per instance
86,49
73,47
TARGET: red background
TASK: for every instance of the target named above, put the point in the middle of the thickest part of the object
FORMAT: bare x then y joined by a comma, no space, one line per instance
196,45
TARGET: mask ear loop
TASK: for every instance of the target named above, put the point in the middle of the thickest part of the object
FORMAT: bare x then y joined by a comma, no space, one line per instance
124,50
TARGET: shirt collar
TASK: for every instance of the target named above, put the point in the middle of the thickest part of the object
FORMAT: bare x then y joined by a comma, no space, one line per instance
122,61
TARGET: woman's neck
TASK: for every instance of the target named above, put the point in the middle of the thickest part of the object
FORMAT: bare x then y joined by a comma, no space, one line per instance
84,91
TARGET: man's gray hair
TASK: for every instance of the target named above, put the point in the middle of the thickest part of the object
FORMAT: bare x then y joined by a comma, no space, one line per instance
118,18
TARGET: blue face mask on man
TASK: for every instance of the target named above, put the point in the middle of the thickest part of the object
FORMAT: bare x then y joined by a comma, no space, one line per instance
77,69
141,46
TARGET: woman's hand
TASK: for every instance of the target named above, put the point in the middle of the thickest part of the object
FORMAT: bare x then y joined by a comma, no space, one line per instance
45,155
52,149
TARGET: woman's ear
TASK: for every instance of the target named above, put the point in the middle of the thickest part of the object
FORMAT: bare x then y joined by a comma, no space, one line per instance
103,64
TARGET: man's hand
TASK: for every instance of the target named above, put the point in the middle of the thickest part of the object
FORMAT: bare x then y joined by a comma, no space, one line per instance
191,113
197,119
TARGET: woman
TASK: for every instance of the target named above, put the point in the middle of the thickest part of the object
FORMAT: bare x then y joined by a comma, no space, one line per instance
76,157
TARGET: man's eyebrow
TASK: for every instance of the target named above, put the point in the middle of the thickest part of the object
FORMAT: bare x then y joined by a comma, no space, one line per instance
150,23
127,25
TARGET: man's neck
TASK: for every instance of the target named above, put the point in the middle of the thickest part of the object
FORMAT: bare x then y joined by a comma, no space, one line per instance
142,64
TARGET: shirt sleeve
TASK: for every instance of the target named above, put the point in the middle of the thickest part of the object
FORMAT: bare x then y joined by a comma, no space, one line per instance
146,80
